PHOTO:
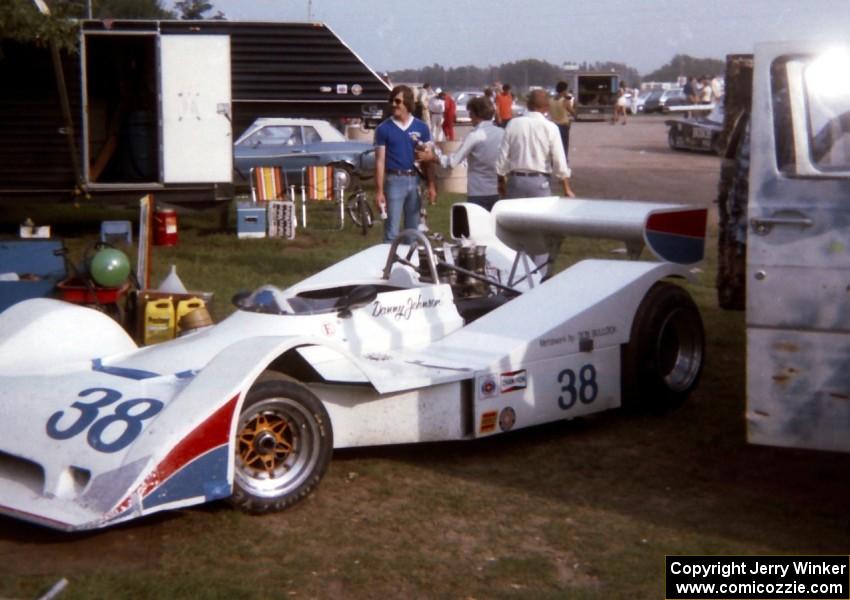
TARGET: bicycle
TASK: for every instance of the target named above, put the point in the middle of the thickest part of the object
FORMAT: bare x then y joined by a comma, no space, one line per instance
359,210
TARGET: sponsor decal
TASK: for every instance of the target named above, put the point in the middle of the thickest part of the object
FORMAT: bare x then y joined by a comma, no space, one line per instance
329,329
587,334
356,89
404,310
507,418
376,356
544,342
488,421
603,331
487,386
341,88
513,380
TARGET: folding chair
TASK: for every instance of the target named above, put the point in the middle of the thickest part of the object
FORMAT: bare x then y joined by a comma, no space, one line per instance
267,184
269,189
317,187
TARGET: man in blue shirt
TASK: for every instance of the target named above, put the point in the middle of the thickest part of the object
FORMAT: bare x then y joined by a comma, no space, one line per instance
396,177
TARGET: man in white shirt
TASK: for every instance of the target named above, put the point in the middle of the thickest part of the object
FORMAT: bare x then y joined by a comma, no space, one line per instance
480,149
531,153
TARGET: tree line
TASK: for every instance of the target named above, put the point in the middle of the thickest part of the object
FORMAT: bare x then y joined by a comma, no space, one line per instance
530,72
21,20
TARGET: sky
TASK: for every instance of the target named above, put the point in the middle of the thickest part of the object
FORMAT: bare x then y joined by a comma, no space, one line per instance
644,34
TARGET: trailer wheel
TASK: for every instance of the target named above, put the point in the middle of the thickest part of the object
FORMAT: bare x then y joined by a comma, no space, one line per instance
283,446
663,359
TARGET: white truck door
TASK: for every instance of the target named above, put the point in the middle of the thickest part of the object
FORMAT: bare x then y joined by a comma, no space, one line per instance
798,248
197,144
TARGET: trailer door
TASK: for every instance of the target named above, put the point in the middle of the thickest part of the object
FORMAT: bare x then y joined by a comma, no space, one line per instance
197,144
798,248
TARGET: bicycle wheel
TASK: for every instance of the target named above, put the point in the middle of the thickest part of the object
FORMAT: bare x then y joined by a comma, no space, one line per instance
359,211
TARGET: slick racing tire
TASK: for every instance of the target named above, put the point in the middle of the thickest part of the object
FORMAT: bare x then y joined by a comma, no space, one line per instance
663,359
283,446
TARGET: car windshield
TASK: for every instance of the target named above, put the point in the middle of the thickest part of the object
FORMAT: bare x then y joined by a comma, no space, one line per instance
274,135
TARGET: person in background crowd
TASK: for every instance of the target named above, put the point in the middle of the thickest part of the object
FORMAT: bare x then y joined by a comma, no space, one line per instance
436,107
691,91
705,94
396,177
480,149
504,106
449,116
531,152
717,88
620,104
561,112
423,97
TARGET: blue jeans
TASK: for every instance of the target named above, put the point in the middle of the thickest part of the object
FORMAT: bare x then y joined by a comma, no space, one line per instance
402,192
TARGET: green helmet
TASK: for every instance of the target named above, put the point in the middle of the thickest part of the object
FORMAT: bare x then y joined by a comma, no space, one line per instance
109,267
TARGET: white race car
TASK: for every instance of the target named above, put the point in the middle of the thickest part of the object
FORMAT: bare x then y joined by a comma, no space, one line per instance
396,344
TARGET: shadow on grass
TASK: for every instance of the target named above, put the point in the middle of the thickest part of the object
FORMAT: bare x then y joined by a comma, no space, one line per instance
688,470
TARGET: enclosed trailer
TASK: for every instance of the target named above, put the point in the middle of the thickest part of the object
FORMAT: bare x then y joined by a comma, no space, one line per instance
595,94
154,106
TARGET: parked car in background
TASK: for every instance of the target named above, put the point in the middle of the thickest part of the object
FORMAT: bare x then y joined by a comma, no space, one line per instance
675,98
658,100
700,133
462,98
293,144
638,102
650,103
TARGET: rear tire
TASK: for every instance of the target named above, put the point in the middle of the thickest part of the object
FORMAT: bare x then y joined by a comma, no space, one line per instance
283,446
663,359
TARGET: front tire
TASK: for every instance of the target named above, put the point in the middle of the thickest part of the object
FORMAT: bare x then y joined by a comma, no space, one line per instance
663,359
283,446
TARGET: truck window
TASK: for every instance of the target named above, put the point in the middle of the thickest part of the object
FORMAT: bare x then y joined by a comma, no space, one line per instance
811,110
828,110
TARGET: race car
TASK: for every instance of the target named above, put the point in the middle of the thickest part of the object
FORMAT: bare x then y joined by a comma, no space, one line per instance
701,133
426,339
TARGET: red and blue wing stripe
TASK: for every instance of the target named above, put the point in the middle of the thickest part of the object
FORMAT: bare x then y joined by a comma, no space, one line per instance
677,237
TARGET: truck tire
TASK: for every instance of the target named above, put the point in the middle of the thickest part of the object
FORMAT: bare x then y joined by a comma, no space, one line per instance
283,446
662,361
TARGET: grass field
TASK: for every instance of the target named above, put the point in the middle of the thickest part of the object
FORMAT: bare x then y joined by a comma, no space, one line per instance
585,509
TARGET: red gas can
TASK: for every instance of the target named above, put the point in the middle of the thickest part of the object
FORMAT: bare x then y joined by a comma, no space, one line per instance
164,227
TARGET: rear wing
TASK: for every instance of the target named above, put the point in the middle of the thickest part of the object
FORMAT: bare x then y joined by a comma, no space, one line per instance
672,232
